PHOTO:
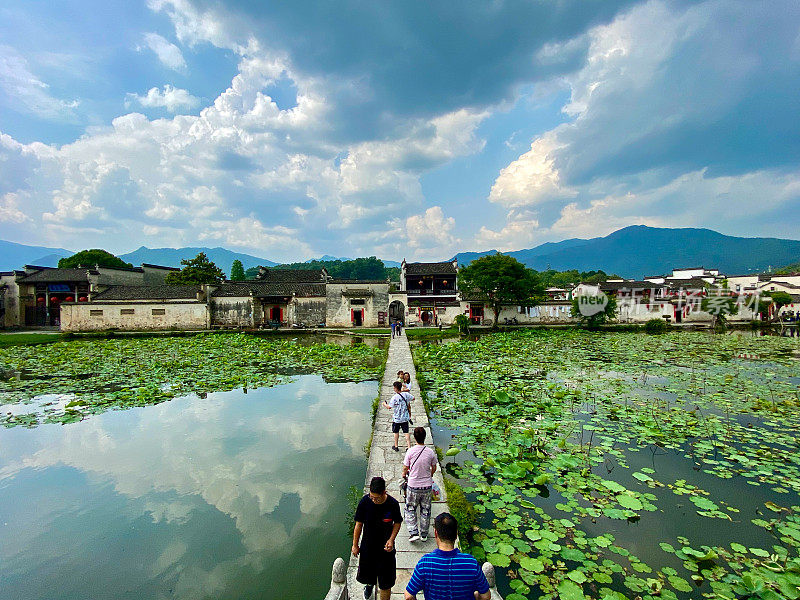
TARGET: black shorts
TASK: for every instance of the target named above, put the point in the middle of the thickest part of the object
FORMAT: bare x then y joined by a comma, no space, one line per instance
396,427
380,566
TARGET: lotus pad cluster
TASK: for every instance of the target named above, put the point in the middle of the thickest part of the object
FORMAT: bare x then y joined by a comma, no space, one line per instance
624,465
65,381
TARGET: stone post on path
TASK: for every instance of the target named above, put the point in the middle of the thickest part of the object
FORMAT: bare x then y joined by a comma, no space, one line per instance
488,571
338,589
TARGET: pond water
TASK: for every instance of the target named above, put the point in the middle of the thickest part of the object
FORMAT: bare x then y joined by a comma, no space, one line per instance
240,494
624,465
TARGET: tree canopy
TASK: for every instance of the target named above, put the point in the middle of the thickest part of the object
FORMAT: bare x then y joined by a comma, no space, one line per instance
788,269
90,258
780,299
196,270
553,278
358,268
498,279
237,271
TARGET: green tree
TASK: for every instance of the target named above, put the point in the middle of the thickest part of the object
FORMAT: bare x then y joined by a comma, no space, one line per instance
251,273
237,271
594,309
720,306
357,268
780,299
196,270
90,258
498,279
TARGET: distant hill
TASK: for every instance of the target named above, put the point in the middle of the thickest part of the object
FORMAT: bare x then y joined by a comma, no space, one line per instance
172,257
638,251
15,256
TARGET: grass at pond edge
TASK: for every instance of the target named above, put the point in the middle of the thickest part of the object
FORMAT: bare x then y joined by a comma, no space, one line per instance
29,339
375,404
461,509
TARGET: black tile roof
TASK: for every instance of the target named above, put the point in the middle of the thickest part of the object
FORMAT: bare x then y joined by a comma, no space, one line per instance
437,268
292,275
149,292
260,289
151,266
692,282
630,285
359,281
781,283
52,275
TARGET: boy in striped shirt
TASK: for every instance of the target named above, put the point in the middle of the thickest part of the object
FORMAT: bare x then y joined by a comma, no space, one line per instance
447,573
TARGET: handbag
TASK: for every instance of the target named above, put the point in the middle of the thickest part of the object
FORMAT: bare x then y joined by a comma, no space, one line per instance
404,478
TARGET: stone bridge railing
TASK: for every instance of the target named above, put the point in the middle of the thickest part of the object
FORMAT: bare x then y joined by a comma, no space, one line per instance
338,589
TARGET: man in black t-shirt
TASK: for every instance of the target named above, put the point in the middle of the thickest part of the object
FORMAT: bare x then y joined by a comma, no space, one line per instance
378,518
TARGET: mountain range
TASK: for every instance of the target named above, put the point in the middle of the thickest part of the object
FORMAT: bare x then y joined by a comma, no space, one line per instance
639,251
636,251
172,257
15,256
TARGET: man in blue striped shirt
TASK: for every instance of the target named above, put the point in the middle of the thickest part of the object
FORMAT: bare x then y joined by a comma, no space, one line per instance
446,573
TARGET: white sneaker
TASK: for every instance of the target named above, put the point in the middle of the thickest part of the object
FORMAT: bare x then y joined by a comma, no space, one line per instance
423,538
414,538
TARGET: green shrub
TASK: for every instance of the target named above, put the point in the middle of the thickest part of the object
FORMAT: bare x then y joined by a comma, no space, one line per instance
656,326
461,509
462,322
354,495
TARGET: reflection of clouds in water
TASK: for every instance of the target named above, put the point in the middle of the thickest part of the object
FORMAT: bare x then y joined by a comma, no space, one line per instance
240,453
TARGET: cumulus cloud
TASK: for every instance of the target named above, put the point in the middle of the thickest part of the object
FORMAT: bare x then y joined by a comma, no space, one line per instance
521,231
426,236
241,173
167,52
672,118
172,98
10,209
532,178
665,99
450,59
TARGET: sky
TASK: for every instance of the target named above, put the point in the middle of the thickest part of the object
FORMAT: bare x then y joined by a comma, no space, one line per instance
401,129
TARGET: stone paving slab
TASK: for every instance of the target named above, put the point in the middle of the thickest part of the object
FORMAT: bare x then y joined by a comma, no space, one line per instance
385,462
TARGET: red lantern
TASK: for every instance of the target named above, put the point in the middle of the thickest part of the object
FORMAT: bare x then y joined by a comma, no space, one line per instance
53,298
69,299
421,282
40,299
82,299
444,282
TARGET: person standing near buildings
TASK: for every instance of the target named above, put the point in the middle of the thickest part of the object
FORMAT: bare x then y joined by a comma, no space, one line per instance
378,522
400,406
394,326
419,465
447,573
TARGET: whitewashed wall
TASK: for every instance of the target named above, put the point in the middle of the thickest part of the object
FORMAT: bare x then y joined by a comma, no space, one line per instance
98,316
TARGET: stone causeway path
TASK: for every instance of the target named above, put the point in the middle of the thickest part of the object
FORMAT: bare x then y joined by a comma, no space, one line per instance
385,462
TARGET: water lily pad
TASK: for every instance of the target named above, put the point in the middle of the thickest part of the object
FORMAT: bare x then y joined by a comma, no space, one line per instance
630,502
532,564
569,590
